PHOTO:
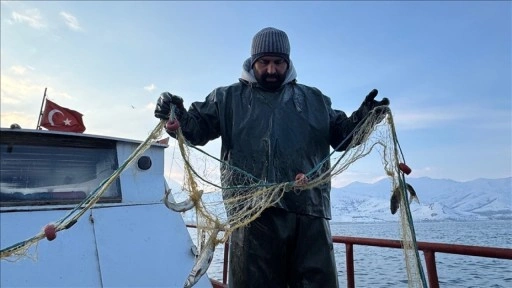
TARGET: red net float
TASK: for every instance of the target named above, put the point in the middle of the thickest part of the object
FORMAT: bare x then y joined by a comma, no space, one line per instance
50,232
172,125
301,179
404,168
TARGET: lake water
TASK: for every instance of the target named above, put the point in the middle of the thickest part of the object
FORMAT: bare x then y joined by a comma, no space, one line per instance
385,267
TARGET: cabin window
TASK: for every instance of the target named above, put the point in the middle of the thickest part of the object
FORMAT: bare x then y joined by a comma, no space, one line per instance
53,173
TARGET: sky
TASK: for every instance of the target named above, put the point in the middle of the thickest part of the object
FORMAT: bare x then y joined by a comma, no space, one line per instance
445,66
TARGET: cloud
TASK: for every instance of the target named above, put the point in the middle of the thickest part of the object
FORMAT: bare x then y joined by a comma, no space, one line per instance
19,90
30,17
23,119
150,87
455,115
21,98
423,118
19,69
71,21
20,101
150,106
432,116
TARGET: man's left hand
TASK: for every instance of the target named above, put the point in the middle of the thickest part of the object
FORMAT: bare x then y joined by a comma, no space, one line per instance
369,104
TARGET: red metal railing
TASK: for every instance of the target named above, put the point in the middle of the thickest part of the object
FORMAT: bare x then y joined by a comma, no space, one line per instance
429,249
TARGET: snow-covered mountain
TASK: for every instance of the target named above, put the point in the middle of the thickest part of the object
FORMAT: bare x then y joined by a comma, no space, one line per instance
439,199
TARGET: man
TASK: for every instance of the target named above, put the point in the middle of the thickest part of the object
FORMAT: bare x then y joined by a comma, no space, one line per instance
274,129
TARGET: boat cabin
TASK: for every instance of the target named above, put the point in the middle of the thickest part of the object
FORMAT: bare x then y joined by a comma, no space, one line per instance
127,239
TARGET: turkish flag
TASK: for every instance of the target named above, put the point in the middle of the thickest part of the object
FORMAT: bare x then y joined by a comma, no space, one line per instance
58,118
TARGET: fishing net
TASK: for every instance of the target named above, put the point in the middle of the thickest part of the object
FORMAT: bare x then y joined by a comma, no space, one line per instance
225,198
221,206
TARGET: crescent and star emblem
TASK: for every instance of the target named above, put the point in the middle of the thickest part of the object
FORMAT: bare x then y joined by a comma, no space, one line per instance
67,122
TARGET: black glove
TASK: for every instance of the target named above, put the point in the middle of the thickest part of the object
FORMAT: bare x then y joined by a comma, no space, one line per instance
165,103
370,103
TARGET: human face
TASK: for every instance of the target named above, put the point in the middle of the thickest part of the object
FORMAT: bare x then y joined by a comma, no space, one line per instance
270,71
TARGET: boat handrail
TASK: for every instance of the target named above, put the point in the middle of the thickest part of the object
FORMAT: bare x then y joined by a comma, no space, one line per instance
429,249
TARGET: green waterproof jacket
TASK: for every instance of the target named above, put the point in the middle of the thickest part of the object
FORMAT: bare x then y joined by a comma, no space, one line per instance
272,135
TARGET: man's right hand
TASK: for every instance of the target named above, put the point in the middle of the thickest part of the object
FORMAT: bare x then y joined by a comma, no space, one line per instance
165,103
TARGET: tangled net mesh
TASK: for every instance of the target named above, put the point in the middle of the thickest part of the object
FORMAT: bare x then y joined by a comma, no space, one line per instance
220,208
224,208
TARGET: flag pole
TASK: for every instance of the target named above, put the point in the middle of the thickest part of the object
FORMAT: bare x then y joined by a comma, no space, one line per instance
41,111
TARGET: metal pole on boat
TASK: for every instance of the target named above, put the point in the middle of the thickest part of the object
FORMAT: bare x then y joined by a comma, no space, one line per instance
38,127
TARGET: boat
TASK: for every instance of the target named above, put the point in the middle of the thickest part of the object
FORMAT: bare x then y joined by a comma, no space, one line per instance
46,174
128,238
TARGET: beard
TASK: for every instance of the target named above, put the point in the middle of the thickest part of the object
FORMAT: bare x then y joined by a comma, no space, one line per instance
270,82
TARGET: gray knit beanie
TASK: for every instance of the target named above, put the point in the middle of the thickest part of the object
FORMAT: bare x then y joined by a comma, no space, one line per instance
270,41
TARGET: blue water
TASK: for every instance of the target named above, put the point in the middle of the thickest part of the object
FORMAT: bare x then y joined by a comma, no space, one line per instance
385,267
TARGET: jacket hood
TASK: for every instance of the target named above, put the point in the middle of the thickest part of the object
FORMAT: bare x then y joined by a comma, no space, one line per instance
248,73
